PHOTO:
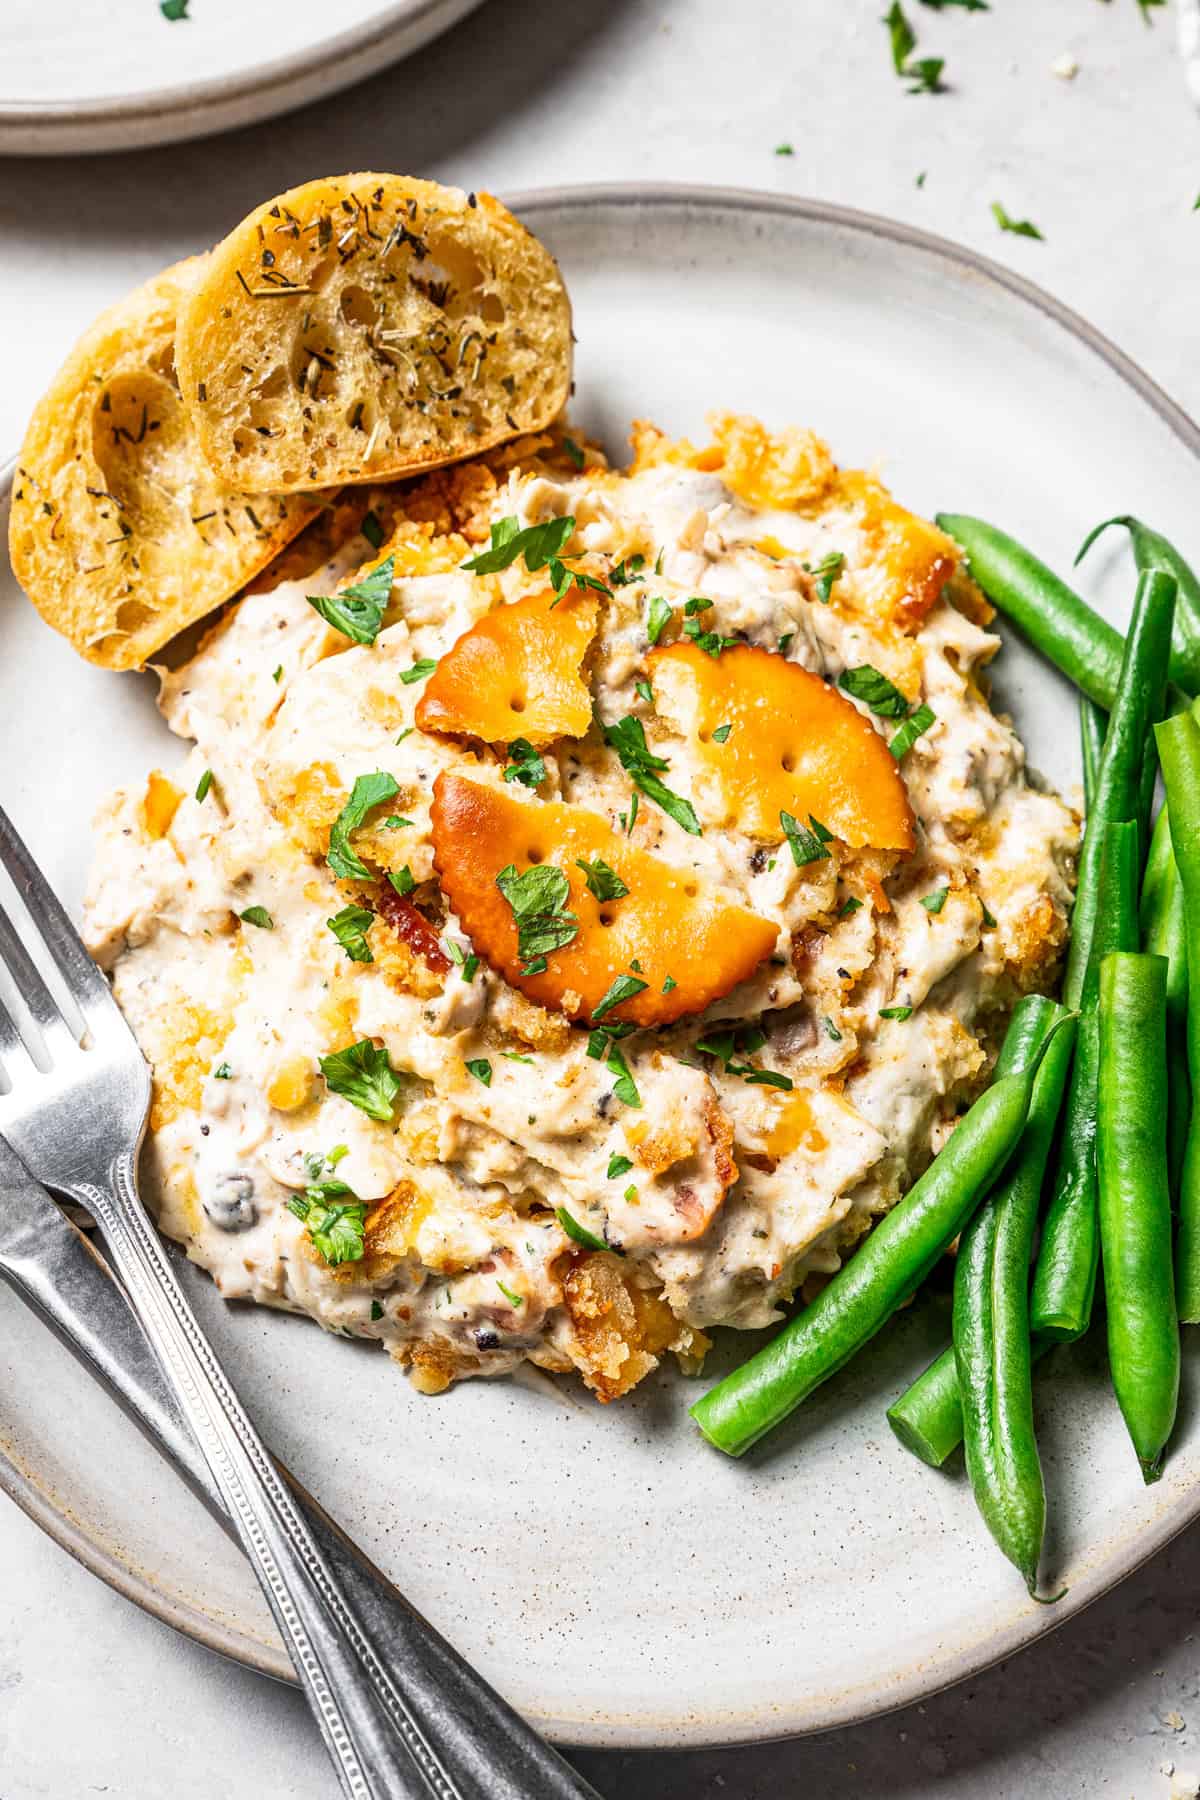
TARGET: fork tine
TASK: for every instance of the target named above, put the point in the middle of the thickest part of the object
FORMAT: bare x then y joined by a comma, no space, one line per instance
60,937
14,1052
32,989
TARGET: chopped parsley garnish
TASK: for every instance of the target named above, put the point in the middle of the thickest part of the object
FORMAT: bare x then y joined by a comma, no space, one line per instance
644,691
617,1166
806,846
865,683
831,1030
514,1300
394,822
357,612
728,1046
933,903
624,1087
363,1074
376,1311
602,882
785,642
982,5
721,734
896,1012
624,987
203,785
913,727
515,1056
424,666
541,546
577,1232
628,738
989,919
368,791
277,674
481,1069
849,906
539,902
1019,227
626,571
407,732
711,642
573,451
657,617
258,915
403,880
925,74
669,983
349,927
769,1078
525,765
467,963
627,824
826,572
222,1072
337,1230
372,530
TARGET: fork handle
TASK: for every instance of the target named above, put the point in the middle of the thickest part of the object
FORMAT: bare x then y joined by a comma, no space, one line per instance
402,1716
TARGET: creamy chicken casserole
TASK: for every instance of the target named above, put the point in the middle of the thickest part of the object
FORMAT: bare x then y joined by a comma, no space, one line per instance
553,958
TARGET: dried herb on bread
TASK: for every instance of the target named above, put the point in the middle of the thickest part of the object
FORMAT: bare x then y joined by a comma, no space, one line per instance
120,534
368,326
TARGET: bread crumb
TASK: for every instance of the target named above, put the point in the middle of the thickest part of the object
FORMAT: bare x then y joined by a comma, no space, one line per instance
1065,67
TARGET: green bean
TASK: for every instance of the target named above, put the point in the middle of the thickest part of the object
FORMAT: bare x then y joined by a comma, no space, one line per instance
889,1266
927,1418
1151,550
1135,1205
991,1329
1064,1281
1051,615
1179,752
1163,929
1093,723
1137,706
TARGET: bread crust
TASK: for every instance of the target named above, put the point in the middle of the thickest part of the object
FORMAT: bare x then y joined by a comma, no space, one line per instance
119,532
371,326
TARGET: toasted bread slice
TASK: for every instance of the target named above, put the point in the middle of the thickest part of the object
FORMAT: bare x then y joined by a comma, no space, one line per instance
120,534
364,326
517,673
681,931
789,743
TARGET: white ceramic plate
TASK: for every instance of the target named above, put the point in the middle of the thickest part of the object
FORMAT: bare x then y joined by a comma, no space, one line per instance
116,75
619,1580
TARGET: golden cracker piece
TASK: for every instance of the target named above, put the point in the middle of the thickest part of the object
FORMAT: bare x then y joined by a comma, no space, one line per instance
517,673
795,744
675,925
120,534
364,326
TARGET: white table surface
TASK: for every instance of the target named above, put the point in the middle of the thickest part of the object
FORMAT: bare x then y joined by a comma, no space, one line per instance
94,1696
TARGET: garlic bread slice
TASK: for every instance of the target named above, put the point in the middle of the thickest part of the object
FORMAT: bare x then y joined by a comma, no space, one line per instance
120,534
369,326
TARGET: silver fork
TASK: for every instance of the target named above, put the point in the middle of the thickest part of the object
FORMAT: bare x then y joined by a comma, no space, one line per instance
403,1718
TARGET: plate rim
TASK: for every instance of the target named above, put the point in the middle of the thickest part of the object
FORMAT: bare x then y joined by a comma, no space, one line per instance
915,1684
201,107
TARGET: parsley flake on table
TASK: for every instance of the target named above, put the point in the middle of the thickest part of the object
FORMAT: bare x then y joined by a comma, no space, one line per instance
368,791
357,611
826,572
602,882
362,1073
258,915
924,73
622,988
627,737
784,150
525,765
1018,227
865,683
174,10
350,928
539,902
807,843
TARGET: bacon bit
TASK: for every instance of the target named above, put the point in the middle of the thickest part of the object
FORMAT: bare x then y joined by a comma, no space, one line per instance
411,927
806,946
767,1165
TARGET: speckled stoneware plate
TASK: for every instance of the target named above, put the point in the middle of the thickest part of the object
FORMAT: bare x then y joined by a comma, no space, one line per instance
619,1580
118,75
